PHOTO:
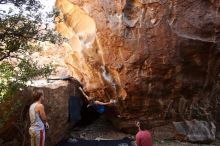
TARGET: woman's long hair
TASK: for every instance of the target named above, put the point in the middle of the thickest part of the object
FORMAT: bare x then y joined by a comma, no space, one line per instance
36,95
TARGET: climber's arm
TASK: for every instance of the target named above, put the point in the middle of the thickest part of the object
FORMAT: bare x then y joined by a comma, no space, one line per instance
103,103
80,88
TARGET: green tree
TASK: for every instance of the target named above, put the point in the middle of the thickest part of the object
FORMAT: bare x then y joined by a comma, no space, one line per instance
21,31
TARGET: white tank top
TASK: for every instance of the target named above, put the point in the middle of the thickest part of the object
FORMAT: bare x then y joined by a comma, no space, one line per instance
36,122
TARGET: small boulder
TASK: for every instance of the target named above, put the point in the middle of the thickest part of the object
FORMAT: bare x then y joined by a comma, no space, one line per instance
195,131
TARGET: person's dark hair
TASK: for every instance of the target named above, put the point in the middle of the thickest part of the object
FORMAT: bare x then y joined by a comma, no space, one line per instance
36,95
141,124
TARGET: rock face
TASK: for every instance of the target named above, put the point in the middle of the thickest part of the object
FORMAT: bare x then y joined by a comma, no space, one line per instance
195,131
159,58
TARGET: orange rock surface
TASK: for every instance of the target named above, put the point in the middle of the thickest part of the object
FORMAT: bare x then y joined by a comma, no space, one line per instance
158,58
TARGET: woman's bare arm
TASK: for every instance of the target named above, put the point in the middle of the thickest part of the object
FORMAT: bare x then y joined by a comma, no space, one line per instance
41,111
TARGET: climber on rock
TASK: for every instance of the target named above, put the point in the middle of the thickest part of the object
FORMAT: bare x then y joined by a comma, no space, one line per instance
98,105
143,137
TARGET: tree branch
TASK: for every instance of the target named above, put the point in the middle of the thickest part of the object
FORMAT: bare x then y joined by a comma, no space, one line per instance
6,55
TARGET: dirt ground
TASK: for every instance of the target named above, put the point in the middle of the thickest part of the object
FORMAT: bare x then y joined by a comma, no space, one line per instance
102,129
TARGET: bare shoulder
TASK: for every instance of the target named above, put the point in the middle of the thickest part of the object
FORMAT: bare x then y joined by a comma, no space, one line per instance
39,107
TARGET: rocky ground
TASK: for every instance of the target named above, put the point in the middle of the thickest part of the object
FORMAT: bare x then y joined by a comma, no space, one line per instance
102,129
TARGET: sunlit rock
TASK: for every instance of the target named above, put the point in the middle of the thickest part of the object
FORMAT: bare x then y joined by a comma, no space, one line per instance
158,58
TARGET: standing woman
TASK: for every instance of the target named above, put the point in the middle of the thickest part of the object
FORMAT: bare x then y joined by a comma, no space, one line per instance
38,119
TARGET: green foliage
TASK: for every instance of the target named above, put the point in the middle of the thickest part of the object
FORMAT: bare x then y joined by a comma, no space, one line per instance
14,77
21,31
31,4
6,72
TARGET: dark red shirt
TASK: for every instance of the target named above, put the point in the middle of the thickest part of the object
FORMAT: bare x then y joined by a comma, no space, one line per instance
143,138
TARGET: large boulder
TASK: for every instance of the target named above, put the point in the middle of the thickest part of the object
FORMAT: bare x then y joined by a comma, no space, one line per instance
158,58
57,94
